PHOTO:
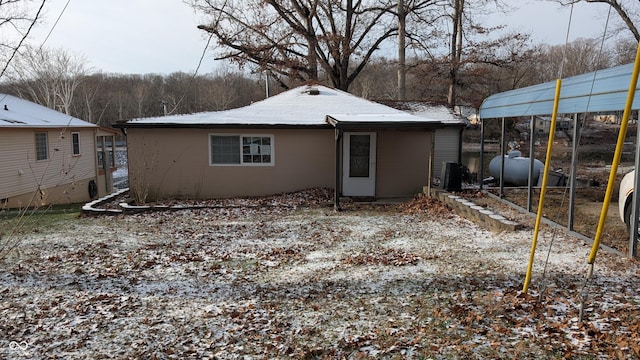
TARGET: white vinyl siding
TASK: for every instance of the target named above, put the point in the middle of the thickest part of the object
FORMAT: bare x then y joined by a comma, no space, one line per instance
23,174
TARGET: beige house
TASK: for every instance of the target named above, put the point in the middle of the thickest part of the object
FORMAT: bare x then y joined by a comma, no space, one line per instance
310,136
543,124
47,157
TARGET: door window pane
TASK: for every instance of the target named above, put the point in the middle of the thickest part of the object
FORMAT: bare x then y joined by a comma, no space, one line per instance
359,150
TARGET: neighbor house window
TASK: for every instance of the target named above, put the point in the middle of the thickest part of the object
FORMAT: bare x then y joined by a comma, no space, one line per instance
42,146
241,149
75,142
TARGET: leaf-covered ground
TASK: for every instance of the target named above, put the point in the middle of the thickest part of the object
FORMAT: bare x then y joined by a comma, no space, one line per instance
287,277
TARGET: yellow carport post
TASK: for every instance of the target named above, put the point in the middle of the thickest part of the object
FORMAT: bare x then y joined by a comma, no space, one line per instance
552,131
616,158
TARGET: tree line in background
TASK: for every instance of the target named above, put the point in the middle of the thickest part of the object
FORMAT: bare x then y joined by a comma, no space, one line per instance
451,59
63,82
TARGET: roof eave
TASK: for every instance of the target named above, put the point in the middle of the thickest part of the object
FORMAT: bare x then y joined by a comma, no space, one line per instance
384,125
219,126
47,127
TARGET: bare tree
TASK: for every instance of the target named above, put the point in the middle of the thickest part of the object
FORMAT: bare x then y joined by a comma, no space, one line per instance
412,11
402,47
628,13
378,81
17,18
224,91
625,51
472,43
48,76
469,44
300,40
455,51
585,55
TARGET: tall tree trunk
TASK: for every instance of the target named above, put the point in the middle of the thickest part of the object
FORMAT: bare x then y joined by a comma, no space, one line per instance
310,35
312,57
345,52
456,51
402,73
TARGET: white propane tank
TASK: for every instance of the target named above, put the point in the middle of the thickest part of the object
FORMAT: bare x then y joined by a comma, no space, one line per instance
516,168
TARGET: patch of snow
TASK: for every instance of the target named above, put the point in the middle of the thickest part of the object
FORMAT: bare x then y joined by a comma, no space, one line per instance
298,107
278,282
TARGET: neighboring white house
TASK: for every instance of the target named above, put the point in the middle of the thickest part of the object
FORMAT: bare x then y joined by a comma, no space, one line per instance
47,157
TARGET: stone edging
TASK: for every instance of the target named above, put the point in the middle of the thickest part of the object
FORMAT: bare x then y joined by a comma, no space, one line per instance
476,213
91,208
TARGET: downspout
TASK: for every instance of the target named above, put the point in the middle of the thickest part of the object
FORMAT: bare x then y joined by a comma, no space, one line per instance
481,179
432,160
460,136
503,144
95,154
338,164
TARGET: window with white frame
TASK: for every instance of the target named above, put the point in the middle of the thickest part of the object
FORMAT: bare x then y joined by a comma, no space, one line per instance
248,150
42,146
75,143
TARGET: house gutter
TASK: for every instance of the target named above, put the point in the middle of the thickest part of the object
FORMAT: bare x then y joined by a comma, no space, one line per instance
127,125
331,123
384,125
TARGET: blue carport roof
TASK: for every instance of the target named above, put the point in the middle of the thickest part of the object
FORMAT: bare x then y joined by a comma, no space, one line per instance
599,91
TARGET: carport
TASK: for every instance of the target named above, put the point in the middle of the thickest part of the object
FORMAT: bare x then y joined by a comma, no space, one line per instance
596,92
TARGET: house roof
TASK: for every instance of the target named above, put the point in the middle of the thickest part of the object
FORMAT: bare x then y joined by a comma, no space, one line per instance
308,106
20,113
427,109
598,91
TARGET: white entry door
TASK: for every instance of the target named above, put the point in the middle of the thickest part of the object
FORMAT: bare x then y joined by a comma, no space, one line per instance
359,164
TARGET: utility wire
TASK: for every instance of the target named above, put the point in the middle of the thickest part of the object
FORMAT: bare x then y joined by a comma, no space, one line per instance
584,291
566,43
55,24
24,37
554,230
195,73
543,285
584,288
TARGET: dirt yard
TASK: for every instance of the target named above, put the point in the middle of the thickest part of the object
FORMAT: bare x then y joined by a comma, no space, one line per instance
596,151
556,208
287,277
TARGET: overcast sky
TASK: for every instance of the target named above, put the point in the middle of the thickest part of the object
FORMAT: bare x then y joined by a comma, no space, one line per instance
160,36
548,22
